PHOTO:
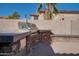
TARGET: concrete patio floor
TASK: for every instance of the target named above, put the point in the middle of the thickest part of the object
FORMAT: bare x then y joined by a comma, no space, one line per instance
42,49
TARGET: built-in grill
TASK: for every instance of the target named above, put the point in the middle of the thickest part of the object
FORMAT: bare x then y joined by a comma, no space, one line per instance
10,42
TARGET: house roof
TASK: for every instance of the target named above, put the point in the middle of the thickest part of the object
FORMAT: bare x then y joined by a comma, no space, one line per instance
34,14
69,12
61,11
41,11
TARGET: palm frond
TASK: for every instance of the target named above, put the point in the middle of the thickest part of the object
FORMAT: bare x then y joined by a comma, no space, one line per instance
39,7
55,9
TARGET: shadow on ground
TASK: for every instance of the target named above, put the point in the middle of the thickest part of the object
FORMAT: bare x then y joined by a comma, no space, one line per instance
42,49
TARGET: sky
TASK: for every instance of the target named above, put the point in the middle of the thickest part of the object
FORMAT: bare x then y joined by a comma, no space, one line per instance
7,9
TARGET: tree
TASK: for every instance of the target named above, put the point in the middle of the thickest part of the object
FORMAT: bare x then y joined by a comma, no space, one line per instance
39,7
55,9
53,5
52,10
15,15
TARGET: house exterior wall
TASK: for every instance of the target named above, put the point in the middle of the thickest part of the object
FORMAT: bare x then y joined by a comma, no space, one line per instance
68,26
71,21
41,16
75,27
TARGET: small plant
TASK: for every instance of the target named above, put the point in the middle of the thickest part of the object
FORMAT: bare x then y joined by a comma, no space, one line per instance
26,18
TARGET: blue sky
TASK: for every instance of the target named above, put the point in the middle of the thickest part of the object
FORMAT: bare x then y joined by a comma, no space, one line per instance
29,8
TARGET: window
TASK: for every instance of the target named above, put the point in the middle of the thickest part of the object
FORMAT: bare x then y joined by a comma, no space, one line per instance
62,18
35,17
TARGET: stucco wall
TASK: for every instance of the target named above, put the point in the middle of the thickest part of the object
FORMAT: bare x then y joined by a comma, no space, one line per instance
59,26
10,26
70,23
41,16
75,27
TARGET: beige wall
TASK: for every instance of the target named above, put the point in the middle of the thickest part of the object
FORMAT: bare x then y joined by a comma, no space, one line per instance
41,16
59,26
67,26
75,27
7,26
